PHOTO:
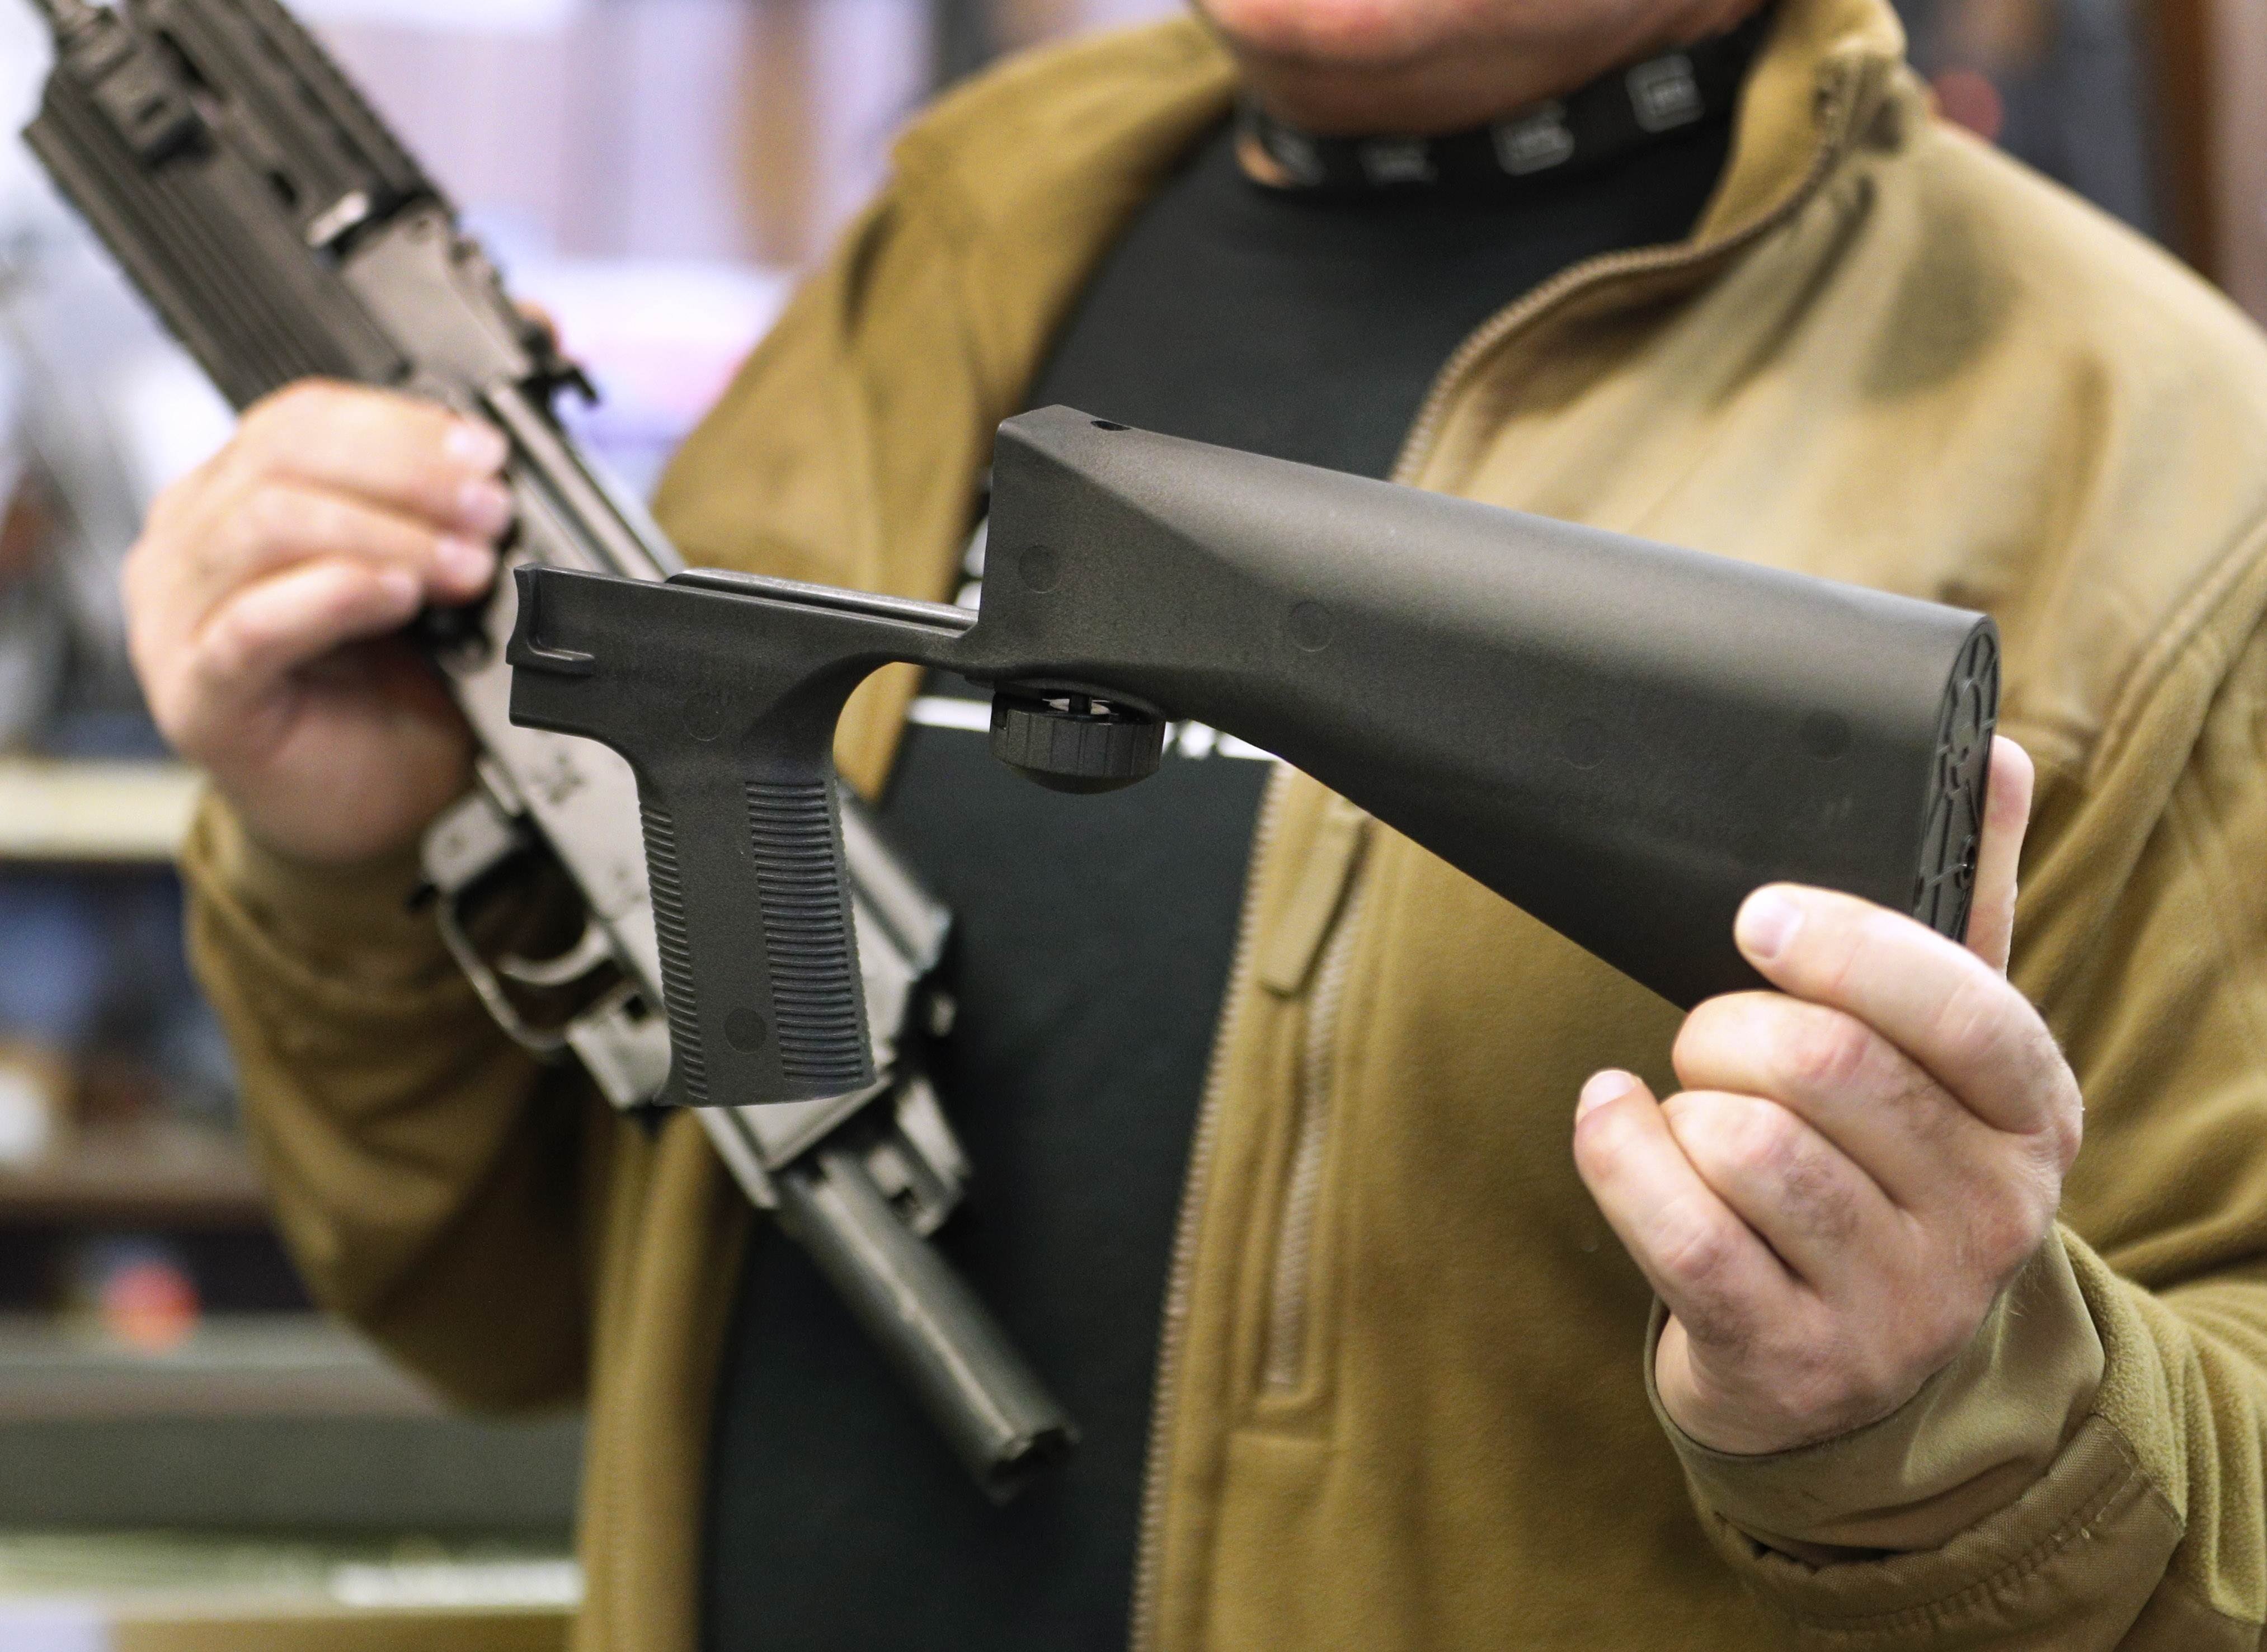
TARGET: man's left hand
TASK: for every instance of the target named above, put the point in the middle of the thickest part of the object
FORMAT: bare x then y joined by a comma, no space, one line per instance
1857,1166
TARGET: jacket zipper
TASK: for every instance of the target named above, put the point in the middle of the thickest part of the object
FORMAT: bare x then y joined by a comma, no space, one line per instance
1592,272
1184,1232
1835,105
1285,1361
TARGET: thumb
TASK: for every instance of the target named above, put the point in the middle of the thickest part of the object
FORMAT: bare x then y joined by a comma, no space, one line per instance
2006,814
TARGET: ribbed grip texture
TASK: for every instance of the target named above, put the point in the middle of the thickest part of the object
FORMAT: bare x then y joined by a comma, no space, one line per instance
807,936
688,1065
1945,881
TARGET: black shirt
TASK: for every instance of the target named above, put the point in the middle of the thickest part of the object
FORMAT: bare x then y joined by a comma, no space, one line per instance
1094,939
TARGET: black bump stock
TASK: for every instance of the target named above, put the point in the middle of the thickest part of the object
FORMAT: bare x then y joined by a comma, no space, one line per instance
1623,739
732,746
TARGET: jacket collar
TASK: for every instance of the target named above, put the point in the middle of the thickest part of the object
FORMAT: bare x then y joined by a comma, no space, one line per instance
1823,74
1071,154
1012,187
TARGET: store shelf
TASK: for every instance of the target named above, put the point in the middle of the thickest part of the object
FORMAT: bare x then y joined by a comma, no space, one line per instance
94,813
246,1365
260,1421
159,1174
172,1592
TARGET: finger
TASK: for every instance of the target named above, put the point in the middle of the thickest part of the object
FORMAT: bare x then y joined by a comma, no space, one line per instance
282,522
2006,814
1708,1266
1819,1212
1943,1006
1855,1088
276,625
400,451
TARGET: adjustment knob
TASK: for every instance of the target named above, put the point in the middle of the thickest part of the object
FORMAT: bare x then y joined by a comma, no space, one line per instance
1074,741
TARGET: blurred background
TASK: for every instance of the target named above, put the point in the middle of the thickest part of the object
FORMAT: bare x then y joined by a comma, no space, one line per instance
187,1451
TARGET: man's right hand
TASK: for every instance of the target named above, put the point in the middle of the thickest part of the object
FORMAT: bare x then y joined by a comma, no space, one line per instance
263,600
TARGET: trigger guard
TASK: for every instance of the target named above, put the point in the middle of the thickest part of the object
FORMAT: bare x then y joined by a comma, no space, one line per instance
588,952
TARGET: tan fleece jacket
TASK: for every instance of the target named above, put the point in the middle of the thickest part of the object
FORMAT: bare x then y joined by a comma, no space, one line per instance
1402,1397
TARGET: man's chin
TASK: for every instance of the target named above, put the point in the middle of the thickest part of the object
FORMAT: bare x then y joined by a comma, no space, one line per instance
1362,35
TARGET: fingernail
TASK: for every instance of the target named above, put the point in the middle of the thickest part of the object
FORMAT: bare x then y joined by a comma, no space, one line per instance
462,562
402,587
479,447
1610,1085
485,507
1766,924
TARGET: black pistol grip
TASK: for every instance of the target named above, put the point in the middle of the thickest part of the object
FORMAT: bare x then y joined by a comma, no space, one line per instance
750,889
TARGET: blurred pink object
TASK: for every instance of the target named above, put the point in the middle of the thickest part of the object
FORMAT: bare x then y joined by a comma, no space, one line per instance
1966,97
146,1300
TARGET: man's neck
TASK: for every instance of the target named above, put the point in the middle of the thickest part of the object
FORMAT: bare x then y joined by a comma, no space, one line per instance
1467,82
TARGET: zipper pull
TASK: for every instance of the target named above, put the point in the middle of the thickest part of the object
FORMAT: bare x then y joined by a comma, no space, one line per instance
1294,939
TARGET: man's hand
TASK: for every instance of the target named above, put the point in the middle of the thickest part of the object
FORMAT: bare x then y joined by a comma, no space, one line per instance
262,596
1857,1164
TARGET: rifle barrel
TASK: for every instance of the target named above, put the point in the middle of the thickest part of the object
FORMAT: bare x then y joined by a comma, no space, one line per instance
65,18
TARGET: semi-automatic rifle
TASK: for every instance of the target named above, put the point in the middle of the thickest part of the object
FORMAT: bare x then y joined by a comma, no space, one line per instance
283,233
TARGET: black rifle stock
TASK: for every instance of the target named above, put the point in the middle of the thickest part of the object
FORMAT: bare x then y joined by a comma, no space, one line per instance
283,234
1622,737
